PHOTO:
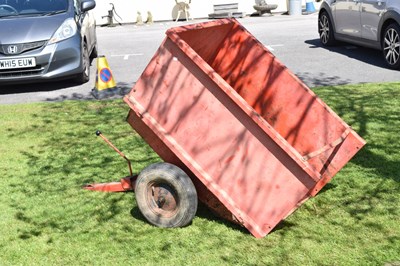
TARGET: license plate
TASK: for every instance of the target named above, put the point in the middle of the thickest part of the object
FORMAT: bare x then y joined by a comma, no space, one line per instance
17,63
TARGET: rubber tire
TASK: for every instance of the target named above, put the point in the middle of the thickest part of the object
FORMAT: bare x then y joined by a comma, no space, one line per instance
85,75
330,40
95,52
182,186
396,28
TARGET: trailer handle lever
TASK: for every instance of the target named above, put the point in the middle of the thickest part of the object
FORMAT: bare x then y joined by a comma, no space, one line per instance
99,134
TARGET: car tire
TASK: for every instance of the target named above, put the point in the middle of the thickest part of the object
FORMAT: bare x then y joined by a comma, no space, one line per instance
325,29
85,75
166,196
391,46
95,52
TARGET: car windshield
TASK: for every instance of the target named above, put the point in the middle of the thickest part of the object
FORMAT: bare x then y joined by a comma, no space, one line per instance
12,8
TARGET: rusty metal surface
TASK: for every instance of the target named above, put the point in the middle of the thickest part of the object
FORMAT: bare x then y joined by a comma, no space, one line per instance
204,194
214,100
125,184
99,134
162,199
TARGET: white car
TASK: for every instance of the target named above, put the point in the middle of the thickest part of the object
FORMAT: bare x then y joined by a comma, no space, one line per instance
369,23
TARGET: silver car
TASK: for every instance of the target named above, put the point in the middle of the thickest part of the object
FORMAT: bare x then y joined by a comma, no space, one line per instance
46,39
369,23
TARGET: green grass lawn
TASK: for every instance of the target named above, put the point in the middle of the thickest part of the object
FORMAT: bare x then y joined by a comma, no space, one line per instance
49,150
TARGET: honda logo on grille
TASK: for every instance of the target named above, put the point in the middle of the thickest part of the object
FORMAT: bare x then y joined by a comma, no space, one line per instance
12,49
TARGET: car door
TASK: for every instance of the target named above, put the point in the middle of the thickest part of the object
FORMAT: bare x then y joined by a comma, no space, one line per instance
347,17
371,13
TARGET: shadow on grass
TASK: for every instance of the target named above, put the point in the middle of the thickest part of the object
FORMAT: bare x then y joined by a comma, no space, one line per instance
369,190
65,155
205,213
375,118
202,212
62,154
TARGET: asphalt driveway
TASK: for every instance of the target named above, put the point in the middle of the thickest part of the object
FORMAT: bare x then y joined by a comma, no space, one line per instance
292,39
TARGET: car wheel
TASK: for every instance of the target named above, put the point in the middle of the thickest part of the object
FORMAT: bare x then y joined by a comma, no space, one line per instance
391,46
166,196
325,29
85,75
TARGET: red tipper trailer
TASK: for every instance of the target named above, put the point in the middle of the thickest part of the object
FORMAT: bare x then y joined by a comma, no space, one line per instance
255,141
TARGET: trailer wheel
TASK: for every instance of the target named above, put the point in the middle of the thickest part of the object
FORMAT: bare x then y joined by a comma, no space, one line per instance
166,196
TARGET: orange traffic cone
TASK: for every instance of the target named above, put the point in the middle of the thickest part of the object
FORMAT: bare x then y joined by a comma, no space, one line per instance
105,84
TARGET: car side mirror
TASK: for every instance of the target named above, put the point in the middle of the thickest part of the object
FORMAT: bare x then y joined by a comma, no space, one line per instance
88,5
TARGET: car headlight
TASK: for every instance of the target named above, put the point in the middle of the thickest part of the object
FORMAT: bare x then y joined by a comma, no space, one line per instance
65,31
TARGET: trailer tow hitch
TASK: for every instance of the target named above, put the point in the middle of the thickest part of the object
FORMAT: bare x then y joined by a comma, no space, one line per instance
125,184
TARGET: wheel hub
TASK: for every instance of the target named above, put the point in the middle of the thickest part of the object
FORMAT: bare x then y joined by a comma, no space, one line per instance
392,46
162,199
324,29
